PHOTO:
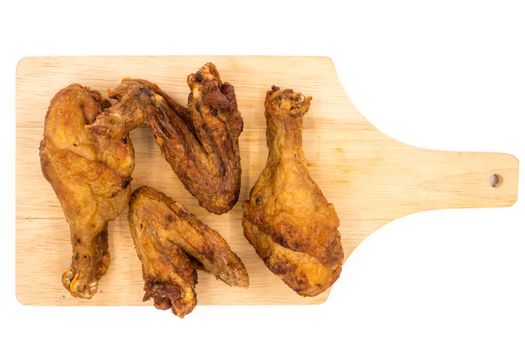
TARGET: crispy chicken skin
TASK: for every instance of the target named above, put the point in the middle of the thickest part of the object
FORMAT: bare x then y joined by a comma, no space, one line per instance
169,274
171,242
287,219
88,158
200,142
90,174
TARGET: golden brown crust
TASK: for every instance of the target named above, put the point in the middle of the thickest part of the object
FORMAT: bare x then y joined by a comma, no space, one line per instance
169,275
287,218
199,142
302,272
92,184
88,158
174,231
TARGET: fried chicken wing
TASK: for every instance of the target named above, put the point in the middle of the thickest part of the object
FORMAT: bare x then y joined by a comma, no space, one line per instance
199,142
164,232
287,219
90,174
169,274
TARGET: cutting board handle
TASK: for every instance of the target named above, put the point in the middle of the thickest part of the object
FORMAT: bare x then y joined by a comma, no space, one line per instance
438,179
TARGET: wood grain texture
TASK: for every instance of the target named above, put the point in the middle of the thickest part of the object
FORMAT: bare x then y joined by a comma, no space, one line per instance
371,178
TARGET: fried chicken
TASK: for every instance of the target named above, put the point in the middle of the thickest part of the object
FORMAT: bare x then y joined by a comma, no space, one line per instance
201,142
287,219
88,158
170,243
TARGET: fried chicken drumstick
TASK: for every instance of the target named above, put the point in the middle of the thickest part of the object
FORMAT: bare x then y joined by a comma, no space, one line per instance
201,142
88,158
287,219
168,240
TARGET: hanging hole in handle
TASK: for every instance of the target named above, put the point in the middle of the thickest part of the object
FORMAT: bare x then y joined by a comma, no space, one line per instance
495,180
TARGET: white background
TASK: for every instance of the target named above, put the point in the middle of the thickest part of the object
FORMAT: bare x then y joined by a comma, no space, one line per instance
444,75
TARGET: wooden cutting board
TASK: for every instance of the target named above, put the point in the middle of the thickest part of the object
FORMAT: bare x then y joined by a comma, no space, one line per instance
371,178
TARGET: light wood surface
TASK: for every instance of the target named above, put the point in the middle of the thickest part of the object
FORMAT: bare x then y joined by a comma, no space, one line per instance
371,178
